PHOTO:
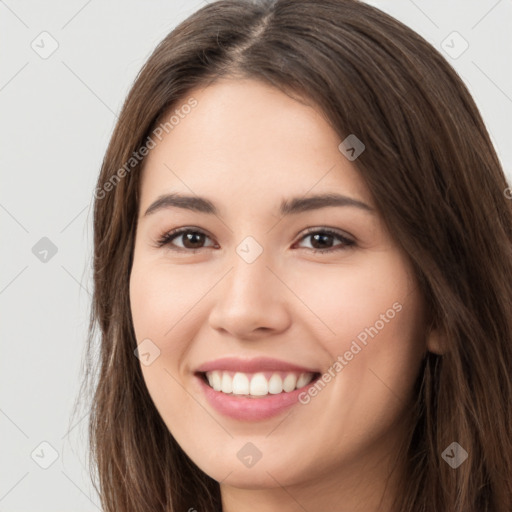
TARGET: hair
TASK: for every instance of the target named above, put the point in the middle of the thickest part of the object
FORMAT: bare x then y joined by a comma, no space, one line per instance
437,182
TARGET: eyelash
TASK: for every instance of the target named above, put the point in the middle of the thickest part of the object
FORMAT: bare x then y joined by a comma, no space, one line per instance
168,237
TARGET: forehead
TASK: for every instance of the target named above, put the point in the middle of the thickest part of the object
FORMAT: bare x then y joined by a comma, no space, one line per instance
245,139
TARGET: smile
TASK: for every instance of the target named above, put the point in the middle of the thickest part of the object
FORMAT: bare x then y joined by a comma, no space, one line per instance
255,389
257,384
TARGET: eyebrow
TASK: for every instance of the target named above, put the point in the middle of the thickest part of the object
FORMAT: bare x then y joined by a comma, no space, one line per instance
288,207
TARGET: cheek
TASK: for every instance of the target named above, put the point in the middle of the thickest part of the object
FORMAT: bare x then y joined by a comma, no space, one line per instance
161,305
374,343
157,305
346,302
371,330
162,301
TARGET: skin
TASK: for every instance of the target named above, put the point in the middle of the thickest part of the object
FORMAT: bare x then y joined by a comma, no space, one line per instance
292,304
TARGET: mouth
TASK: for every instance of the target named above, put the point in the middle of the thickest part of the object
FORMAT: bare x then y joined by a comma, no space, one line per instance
257,384
253,389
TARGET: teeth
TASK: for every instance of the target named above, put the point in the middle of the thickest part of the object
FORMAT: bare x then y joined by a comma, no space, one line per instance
275,384
217,381
257,384
240,384
226,383
303,380
289,382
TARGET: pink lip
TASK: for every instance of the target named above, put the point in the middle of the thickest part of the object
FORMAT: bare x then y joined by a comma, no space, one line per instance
250,409
246,408
258,364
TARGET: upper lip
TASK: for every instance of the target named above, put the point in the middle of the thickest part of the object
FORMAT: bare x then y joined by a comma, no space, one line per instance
252,365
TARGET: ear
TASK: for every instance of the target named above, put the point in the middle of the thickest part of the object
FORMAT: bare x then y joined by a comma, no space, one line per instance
436,341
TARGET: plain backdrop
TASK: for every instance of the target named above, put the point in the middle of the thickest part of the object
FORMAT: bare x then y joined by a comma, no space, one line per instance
66,68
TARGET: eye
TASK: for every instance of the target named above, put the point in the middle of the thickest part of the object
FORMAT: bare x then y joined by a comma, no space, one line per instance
192,239
324,236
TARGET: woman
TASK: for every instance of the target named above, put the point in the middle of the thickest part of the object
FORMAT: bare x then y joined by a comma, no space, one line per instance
244,364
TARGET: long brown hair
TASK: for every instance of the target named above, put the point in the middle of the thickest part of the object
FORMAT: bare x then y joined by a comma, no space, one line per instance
437,182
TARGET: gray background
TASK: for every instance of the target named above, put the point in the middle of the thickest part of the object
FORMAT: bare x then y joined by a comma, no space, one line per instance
57,116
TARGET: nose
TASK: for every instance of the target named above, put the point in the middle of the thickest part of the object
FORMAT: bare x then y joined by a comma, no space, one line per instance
251,300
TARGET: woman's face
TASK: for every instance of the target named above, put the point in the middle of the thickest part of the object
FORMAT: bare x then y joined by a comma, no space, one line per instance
241,293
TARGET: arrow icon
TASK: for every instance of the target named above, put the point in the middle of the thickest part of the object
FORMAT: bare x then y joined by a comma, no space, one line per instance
44,250
147,352
351,147
45,45
454,45
44,455
249,455
454,455
249,249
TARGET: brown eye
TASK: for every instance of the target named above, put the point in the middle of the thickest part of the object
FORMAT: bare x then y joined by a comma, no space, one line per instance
322,240
190,239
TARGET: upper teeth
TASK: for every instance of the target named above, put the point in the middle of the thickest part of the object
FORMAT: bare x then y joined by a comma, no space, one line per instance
257,384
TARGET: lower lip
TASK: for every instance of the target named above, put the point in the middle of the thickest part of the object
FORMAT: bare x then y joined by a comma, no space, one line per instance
251,409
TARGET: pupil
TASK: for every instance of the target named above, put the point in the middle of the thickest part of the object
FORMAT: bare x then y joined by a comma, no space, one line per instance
315,237
189,237
194,239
